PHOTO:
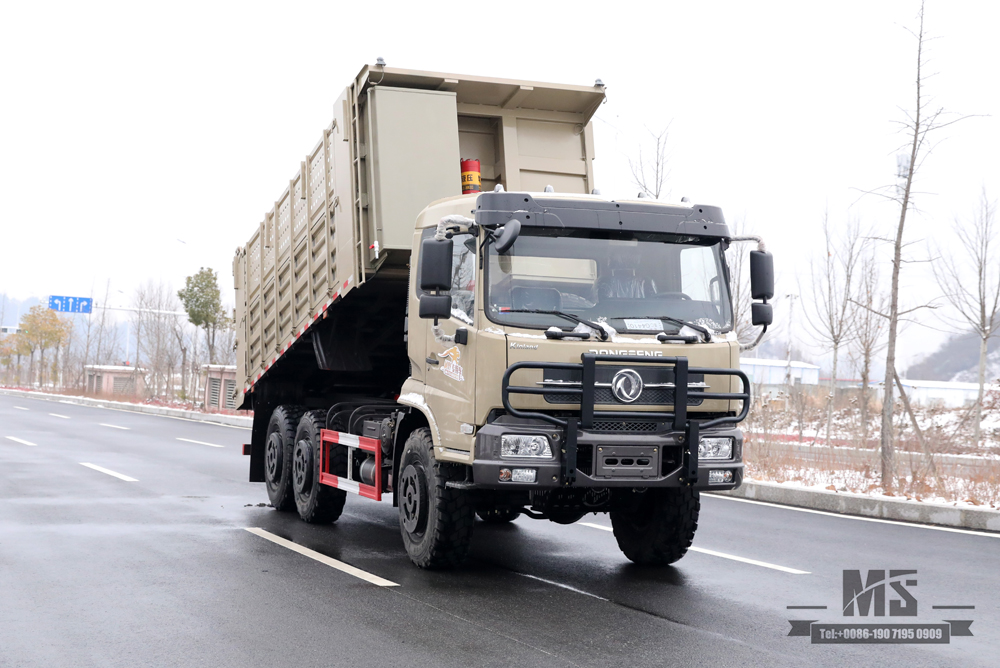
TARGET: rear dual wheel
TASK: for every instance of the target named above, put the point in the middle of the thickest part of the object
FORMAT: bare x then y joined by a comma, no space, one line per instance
316,503
278,445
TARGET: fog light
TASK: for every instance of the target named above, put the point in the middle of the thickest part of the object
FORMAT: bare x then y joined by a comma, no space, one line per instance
524,475
523,445
715,448
504,475
720,477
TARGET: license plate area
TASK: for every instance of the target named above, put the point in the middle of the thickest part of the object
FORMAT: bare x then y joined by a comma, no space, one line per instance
627,461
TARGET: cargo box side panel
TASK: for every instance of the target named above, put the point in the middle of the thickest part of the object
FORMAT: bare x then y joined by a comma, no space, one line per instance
296,264
415,158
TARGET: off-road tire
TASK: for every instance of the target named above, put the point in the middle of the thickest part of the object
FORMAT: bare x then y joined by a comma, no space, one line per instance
278,444
435,521
498,515
659,528
316,503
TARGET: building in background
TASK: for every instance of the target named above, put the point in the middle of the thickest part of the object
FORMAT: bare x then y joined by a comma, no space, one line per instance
776,373
219,381
106,380
941,393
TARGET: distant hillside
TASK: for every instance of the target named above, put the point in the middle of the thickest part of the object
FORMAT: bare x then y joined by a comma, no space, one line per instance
10,308
958,360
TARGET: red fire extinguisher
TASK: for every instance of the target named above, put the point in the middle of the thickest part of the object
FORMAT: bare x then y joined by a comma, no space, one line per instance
471,177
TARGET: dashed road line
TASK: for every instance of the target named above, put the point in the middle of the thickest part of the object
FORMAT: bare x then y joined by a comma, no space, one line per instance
212,445
322,558
723,555
114,426
20,440
120,476
562,586
22,408
64,417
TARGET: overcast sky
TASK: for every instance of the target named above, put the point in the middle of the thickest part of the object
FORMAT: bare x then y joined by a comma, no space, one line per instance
142,141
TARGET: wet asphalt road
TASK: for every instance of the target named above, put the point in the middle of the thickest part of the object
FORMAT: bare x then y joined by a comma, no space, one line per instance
160,571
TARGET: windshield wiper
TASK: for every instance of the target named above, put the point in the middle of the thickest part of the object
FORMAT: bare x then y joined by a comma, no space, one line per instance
602,334
669,318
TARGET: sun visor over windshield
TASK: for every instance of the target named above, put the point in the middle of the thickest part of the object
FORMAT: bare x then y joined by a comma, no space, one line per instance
496,208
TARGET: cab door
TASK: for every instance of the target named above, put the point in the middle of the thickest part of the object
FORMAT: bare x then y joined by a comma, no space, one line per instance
450,366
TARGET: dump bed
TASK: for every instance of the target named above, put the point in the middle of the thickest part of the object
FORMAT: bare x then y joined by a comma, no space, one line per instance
393,147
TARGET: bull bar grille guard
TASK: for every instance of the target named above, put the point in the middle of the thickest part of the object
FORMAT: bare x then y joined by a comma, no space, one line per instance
588,370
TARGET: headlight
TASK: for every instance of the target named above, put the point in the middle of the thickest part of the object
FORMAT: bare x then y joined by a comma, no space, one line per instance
715,448
518,445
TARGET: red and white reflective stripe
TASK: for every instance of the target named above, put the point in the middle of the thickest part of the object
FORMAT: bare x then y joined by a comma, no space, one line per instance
372,445
340,483
351,440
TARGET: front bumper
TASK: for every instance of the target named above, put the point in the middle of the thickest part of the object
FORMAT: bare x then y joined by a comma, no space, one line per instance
603,459
654,448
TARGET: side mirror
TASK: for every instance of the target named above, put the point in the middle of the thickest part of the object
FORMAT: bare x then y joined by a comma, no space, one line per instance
435,277
760,314
435,264
507,235
435,306
761,275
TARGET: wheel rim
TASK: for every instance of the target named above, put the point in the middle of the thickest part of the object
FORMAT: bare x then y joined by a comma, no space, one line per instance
272,458
302,467
413,499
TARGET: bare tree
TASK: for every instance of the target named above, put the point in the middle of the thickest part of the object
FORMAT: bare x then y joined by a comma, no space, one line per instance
869,329
155,339
831,312
971,282
918,127
649,174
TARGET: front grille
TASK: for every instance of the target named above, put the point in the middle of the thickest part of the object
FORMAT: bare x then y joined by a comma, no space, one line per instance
654,396
625,426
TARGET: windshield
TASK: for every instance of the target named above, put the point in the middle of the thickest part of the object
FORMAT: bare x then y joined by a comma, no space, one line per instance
631,281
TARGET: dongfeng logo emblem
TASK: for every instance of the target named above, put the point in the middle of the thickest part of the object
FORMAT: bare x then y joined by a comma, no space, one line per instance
626,386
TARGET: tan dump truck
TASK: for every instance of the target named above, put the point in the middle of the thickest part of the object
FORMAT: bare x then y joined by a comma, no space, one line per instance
528,347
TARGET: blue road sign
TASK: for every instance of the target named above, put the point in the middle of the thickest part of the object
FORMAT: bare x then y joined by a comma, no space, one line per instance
71,304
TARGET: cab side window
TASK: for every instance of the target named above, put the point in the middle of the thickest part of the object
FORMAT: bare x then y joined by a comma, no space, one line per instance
463,278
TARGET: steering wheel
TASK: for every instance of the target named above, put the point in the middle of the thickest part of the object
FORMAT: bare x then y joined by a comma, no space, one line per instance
672,295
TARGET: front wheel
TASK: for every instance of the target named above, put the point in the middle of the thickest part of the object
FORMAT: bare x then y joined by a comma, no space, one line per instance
436,521
656,527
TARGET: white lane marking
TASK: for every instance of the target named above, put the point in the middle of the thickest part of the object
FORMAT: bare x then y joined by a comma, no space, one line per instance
120,476
113,426
898,523
562,586
22,408
783,569
764,564
188,440
71,403
19,440
64,417
322,558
